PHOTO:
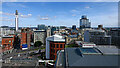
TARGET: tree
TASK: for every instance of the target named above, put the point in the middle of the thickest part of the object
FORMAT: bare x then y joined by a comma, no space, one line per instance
16,43
38,43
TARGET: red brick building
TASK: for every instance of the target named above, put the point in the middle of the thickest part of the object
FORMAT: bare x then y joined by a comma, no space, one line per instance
54,47
23,38
54,44
7,42
26,36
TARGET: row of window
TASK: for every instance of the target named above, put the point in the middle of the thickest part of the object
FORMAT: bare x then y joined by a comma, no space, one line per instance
57,46
8,41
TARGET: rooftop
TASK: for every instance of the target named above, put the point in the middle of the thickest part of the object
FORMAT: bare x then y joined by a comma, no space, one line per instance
88,57
78,42
7,36
89,51
73,36
90,60
95,30
4,26
39,30
111,50
56,38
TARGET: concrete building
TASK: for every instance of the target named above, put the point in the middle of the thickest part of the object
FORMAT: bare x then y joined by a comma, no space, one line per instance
115,36
48,30
99,37
84,22
61,32
99,57
5,30
40,35
53,44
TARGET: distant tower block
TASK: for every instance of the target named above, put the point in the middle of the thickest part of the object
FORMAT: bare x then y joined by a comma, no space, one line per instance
16,20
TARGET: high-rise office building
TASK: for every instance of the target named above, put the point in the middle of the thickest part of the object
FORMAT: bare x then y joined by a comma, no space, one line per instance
115,36
41,27
6,30
99,37
40,35
84,22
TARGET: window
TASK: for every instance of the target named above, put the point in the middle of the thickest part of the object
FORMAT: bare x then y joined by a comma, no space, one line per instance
54,57
60,45
50,55
53,51
6,41
54,45
57,45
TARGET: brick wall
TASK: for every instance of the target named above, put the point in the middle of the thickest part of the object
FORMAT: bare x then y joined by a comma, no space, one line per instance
54,47
7,43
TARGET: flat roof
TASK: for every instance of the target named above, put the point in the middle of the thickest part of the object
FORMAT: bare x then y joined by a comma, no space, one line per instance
39,30
56,38
84,42
95,30
4,26
109,50
72,36
77,59
7,36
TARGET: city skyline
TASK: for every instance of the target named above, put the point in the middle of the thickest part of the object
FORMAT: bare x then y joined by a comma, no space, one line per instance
60,13
59,33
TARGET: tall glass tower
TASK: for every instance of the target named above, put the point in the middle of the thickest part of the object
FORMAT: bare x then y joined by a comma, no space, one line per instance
84,22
